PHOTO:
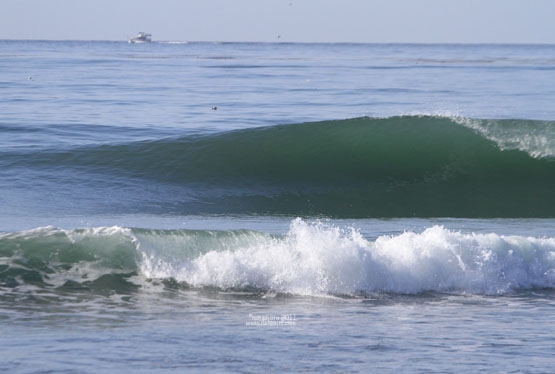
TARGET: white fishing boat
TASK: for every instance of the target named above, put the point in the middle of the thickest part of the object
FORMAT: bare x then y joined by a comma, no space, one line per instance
142,37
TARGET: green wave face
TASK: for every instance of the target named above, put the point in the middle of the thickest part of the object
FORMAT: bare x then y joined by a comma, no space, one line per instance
84,259
105,260
365,167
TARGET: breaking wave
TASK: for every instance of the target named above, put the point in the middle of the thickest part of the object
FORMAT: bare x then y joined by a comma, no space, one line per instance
312,258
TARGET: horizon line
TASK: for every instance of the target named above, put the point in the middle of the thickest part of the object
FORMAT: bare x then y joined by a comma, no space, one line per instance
281,42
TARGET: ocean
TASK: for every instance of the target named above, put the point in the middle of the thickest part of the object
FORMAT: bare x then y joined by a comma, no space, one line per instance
276,207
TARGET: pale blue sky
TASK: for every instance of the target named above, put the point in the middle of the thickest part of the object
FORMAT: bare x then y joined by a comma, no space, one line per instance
413,21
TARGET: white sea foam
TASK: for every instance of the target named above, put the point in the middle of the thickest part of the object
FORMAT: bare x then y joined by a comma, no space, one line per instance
320,259
537,138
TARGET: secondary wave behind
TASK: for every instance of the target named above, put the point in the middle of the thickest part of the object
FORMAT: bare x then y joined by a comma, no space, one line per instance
405,166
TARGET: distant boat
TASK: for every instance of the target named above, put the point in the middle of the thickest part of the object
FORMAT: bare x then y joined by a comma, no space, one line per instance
143,37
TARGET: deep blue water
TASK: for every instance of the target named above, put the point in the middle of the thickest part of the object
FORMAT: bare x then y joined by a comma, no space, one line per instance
142,230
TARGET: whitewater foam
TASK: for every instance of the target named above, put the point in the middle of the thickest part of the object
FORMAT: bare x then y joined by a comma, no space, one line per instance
537,138
320,259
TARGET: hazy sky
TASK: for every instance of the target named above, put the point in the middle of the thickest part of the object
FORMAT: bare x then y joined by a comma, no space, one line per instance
436,21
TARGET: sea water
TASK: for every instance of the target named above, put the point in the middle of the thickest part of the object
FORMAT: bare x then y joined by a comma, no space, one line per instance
251,207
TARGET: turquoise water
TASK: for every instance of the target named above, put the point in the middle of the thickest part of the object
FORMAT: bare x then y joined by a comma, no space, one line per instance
346,208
